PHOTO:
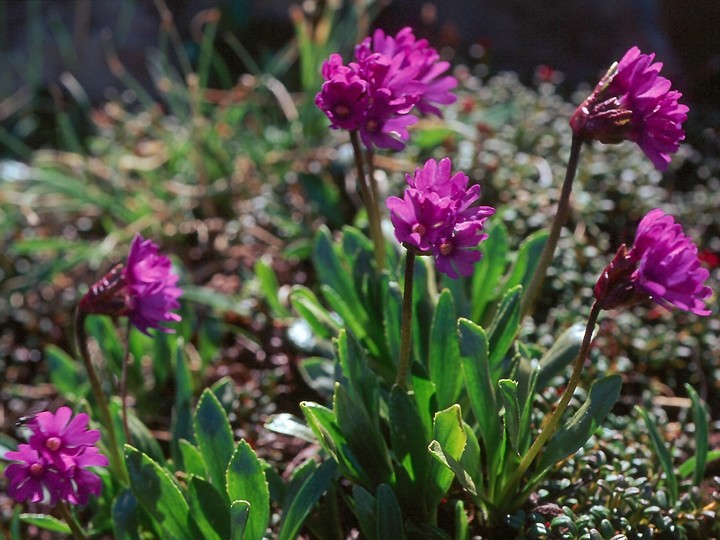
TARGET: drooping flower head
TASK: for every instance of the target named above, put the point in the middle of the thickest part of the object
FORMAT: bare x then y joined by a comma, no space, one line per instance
54,465
436,217
388,79
633,102
144,289
662,264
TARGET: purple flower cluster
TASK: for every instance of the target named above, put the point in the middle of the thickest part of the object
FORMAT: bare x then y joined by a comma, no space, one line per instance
435,217
145,289
54,464
662,264
633,102
389,77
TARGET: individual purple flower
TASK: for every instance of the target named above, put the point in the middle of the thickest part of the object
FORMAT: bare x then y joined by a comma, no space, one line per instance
56,435
32,477
633,102
54,464
662,264
388,79
435,217
152,287
144,289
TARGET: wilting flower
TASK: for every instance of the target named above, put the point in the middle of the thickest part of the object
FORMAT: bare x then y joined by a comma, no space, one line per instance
436,217
388,79
662,264
54,465
633,102
144,289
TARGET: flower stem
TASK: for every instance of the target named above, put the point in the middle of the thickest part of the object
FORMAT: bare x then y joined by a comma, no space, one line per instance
553,418
369,195
102,404
123,386
406,327
533,289
69,518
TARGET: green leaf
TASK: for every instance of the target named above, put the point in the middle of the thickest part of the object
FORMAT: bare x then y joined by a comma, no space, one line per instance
325,195
408,437
304,301
389,515
324,424
214,437
393,317
209,508
319,374
444,356
159,496
688,466
361,382
489,269
143,439
289,424
663,454
575,432
246,481
562,352
49,523
527,259
700,419
125,519
70,381
192,460
305,499
448,442
479,385
502,331
363,436
270,289
352,316
239,513
462,531
224,390
511,415
365,511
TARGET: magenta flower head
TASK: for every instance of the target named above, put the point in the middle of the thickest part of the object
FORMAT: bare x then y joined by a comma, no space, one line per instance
662,264
54,465
144,289
633,102
436,217
389,78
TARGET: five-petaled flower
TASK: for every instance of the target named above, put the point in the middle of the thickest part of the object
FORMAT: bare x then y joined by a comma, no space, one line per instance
389,78
662,264
53,466
144,289
633,102
436,217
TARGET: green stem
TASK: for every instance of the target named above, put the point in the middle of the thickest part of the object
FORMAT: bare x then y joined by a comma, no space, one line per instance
69,518
123,385
102,404
555,416
375,193
370,204
533,289
406,328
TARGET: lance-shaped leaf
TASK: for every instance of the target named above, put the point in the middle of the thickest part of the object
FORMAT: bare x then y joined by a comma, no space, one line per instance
305,498
444,357
214,437
246,482
576,431
447,447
